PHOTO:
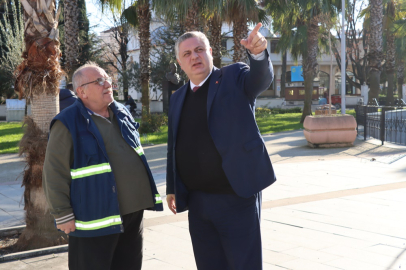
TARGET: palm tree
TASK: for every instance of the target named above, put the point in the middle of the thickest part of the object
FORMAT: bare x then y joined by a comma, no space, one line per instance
236,12
302,19
193,16
400,45
71,36
390,49
375,43
400,64
144,18
239,13
215,38
38,79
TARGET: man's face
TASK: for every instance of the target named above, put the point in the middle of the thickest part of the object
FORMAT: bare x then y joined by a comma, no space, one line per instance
94,95
195,59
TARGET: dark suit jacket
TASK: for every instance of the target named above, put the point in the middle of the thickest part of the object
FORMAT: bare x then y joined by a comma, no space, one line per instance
66,98
231,118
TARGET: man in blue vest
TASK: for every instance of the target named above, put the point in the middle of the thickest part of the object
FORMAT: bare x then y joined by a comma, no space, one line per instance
96,178
217,162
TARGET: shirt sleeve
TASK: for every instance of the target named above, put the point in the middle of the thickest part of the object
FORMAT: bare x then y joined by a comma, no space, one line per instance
258,57
56,177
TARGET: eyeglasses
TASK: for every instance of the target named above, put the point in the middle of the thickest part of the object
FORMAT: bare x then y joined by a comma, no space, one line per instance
100,81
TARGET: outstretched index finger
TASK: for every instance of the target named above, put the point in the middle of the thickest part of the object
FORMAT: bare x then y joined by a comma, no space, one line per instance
255,31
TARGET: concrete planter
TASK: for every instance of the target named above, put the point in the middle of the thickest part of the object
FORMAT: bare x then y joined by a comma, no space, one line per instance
330,131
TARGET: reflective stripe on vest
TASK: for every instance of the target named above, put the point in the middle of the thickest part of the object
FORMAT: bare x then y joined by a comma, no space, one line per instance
90,170
139,150
98,223
158,199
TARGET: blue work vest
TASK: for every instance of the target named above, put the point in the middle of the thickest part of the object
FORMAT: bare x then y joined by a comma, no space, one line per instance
93,191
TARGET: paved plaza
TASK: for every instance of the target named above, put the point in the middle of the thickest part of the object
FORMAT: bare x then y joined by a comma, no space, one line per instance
341,208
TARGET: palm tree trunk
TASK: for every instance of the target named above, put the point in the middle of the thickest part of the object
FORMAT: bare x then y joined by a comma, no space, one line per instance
400,76
215,39
123,40
375,46
144,16
283,76
38,78
310,65
240,31
390,55
71,36
390,68
192,17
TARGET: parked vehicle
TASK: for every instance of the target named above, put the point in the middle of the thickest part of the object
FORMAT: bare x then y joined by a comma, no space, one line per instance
335,100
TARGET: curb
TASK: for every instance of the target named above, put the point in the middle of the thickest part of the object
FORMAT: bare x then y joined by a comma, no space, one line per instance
30,253
33,253
11,231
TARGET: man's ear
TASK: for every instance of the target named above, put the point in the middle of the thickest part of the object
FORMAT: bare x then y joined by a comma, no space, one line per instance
81,92
211,51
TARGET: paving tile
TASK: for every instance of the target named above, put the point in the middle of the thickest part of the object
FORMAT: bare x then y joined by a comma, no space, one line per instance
267,266
335,229
277,258
172,230
311,255
12,190
388,250
302,264
360,255
172,257
19,215
275,245
351,264
8,204
154,264
16,265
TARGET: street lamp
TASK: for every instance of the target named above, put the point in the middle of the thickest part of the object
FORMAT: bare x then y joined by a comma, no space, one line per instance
343,54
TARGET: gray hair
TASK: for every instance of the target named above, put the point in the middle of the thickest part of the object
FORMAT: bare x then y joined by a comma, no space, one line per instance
194,34
78,76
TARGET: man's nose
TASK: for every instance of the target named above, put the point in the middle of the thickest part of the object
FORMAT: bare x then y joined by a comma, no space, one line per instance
107,84
194,55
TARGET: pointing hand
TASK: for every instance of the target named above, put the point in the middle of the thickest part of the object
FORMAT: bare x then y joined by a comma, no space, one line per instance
256,42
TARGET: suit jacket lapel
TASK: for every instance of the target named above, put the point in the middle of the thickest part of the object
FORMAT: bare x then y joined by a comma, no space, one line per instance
213,87
177,109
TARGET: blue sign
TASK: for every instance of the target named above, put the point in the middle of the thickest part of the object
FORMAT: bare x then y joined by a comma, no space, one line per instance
296,74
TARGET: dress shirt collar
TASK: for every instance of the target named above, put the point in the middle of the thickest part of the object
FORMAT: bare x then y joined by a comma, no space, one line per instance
192,85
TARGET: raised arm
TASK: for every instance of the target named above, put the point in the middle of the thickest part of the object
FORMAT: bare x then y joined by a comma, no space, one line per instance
258,76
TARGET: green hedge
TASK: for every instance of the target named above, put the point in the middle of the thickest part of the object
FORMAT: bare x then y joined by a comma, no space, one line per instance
263,112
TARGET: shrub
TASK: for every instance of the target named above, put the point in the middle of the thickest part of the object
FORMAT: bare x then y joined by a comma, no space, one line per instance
153,123
283,111
264,112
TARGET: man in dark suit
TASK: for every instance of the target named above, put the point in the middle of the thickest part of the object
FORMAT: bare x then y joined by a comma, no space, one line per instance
217,162
66,97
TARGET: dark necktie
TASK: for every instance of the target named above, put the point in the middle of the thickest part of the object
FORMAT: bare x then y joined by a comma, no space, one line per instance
195,88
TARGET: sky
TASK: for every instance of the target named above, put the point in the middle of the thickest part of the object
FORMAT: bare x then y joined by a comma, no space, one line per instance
97,19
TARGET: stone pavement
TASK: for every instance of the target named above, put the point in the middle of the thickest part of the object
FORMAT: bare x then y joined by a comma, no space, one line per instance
340,208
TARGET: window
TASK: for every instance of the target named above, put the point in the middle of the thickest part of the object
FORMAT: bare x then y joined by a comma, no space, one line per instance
273,46
301,92
288,76
224,44
290,92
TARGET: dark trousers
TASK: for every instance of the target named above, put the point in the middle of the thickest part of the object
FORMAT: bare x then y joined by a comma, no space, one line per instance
225,231
110,252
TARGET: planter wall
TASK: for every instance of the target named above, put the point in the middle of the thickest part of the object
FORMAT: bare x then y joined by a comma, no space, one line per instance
330,131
